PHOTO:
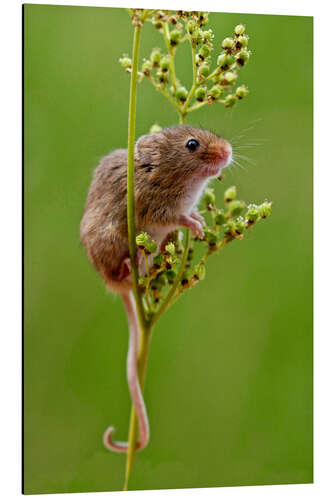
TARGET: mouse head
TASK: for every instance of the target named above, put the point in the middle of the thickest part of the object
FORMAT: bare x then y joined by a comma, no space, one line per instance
183,152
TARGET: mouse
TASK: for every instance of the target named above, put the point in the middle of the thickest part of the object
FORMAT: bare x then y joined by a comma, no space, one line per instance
172,167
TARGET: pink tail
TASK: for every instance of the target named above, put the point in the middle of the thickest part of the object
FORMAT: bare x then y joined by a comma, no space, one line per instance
133,382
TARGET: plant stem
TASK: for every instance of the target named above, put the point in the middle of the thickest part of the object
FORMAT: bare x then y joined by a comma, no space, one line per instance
144,325
130,178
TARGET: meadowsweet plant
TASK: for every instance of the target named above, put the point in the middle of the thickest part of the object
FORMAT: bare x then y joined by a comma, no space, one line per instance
214,80
181,264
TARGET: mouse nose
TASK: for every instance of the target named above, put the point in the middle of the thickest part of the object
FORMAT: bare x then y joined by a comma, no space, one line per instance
225,153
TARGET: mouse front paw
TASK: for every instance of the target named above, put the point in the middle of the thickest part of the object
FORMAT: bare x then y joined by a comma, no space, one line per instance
194,225
196,216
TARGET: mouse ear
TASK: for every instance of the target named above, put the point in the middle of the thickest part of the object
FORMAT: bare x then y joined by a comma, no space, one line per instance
148,149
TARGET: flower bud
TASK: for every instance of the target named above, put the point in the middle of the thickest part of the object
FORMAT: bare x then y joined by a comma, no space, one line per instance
242,57
181,93
205,51
146,68
224,61
210,238
170,248
191,27
230,101
227,44
158,259
204,70
142,239
240,29
220,218
230,227
170,275
165,63
265,209
229,78
155,128
209,196
158,24
151,247
199,271
185,278
240,225
215,92
235,207
252,213
230,194
162,77
126,62
203,18
200,94
242,42
174,38
241,92
155,57
207,36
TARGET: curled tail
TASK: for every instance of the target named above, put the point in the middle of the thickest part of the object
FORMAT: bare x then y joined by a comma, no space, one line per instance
133,382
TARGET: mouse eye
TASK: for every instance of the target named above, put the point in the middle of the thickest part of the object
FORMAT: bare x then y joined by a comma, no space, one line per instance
192,145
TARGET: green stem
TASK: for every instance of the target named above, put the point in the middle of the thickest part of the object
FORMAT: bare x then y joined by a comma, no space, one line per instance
130,176
166,35
144,325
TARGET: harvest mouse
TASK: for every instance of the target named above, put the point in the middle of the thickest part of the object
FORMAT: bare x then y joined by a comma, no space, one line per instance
172,168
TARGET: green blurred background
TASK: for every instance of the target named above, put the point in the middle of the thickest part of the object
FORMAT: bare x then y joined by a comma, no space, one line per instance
229,384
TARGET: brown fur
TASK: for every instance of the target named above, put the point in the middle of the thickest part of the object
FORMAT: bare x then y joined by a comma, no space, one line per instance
164,173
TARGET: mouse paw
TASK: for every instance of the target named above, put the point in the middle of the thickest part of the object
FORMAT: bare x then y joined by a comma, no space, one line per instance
196,216
194,225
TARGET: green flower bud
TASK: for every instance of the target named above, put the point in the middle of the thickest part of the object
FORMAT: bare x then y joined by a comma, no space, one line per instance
235,207
242,57
181,93
200,94
142,282
241,92
230,227
224,61
146,68
162,77
240,29
170,275
191,27
204,70
220,218
240,225
158,259
185,278
252,213
265,209
210,238
158,24
207,36
203,18
126,62
165,63
230,194
151,247
205,51
174,38
229,78
170,248
155,57
200,271
242,42
216,91
155,128
209,196
227,43
230,101
142,239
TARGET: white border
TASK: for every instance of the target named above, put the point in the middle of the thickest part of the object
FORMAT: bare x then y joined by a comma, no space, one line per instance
10,199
